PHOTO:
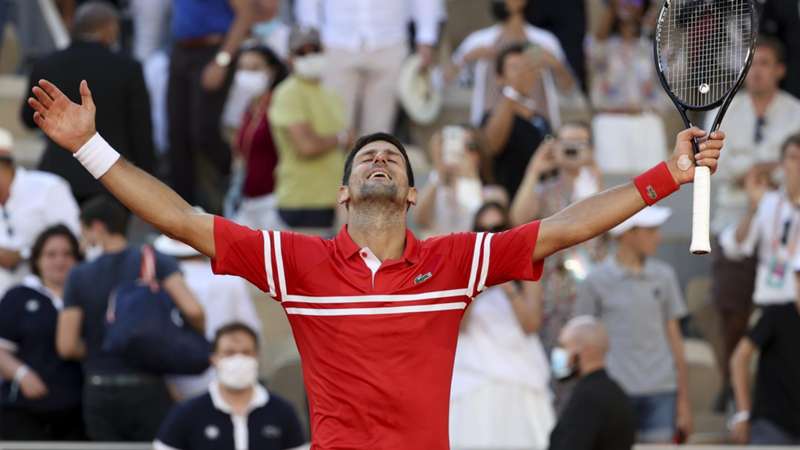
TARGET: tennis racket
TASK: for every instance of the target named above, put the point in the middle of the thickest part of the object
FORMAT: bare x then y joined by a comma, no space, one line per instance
703,50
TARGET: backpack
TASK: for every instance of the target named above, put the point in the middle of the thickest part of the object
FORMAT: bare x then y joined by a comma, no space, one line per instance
144,326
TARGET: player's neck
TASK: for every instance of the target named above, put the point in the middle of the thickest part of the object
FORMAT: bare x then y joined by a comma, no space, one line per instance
238,399
761,101
630,259
381,229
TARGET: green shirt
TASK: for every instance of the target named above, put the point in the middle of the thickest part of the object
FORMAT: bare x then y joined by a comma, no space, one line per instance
306,182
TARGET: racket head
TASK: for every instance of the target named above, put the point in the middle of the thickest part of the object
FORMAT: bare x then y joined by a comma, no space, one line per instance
703,50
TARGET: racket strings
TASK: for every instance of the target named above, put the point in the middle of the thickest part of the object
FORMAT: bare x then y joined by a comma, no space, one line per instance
702,47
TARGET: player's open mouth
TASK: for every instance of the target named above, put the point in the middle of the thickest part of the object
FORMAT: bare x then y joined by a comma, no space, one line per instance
380,175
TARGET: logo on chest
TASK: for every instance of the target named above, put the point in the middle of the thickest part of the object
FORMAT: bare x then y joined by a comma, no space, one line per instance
422,277
212,432
271,432
428,268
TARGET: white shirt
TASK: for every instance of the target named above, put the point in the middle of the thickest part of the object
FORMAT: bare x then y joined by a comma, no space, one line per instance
741,151
483,68
494,349
766,232
225,299
370,24
37,200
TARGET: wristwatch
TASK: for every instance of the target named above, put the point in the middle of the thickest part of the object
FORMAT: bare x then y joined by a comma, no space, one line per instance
222,59
514,95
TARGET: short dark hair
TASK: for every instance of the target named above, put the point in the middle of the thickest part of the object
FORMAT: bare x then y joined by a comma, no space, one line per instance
774,44
789,141
44,236
92,17
515,48
233,327
107,211
362,142
486,207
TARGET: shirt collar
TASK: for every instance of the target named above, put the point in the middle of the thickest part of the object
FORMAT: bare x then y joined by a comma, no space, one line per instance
260,398
623,272
344,243
35,283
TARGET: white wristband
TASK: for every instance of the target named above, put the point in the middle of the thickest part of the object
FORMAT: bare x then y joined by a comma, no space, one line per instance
739,417
20,373
97,156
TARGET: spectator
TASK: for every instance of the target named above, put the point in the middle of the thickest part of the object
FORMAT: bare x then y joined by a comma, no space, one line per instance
42,400
479,51
119,85
454,190
224,300
500,396
308,124
237,412
365,45
773,418
121,403
770,224
206,37
150,26
269,29
638,299
623,78
515,126
542,194
30,201
567,20
781,19
758,120
599,415
262,71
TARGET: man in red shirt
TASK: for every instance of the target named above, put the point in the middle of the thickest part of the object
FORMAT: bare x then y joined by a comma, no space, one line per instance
374,311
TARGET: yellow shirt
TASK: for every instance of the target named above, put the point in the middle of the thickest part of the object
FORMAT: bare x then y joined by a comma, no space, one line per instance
306,182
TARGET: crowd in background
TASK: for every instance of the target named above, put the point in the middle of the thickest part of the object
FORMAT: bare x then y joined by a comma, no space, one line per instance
248,107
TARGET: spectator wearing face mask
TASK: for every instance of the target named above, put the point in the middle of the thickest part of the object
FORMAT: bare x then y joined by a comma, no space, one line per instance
237,412
500,396
562,171
455,188
308,124
599,415
639,300
268,29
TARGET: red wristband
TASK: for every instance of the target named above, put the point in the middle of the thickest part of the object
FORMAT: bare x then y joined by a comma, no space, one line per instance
655,184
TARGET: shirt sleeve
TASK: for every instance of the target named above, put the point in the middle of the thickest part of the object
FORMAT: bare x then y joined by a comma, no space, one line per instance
10,333
240,251
763,330
675,305
507,256
63,207
72,294
287,108
165,266
174,431
736,250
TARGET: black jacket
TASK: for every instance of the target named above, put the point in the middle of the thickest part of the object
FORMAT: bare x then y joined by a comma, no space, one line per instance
598,416
123,108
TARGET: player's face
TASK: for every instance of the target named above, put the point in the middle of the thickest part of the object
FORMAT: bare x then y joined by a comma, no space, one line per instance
791,164
379,173
765,73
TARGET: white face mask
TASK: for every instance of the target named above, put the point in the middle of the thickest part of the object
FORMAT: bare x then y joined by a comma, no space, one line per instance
237,371
559,364
247,85
310,66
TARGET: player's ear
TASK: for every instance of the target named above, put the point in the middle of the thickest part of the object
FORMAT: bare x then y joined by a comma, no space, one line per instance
411,197
343,196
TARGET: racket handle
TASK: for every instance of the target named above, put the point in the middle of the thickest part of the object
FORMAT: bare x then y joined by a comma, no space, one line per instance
701,211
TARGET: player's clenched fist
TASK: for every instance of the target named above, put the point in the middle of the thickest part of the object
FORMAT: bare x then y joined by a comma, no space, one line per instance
68,124
683,160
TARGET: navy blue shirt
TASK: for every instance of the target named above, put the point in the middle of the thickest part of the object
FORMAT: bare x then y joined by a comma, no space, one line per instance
205,423
28,318
198,18
89,288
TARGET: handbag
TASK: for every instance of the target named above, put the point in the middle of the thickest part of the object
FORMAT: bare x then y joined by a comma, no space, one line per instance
144,326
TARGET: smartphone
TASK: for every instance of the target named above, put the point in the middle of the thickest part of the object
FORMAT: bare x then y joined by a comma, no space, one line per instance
453,140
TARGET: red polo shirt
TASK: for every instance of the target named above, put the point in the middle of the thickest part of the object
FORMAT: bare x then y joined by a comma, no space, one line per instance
377,340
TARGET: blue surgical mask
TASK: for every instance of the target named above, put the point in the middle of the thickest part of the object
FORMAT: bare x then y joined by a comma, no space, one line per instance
559,364
263,29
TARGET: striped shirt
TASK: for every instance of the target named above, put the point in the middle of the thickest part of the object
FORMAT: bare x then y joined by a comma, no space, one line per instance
377,339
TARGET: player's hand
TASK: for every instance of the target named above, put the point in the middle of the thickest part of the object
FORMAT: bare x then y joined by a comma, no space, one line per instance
683,161
68,124
543,159
32,386
426,56
213,76
756,184
740,434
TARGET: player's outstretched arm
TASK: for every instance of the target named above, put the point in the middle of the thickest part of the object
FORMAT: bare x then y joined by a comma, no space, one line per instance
599,213
72,125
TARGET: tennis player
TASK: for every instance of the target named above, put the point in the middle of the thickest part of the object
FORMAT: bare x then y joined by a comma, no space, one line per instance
375,312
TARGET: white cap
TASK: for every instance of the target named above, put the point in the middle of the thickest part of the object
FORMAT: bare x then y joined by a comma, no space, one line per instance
651,216
420,93
171,247
6,143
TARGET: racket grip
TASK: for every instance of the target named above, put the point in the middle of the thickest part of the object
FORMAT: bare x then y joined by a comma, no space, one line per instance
701,211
